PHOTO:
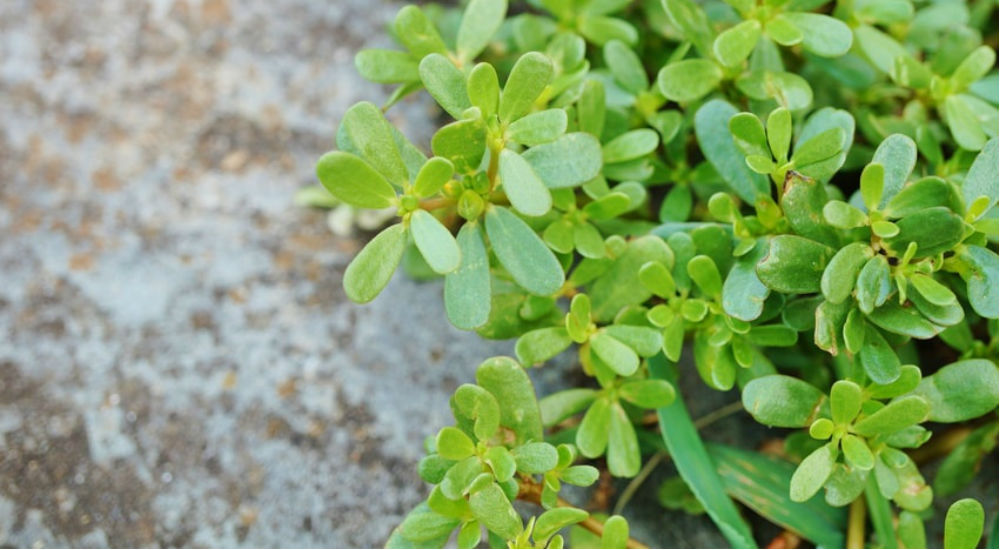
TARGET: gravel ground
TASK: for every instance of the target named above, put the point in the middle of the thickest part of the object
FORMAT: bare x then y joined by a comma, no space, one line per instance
179,365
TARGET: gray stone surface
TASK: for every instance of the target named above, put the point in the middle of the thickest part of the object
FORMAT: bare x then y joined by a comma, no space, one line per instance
178,363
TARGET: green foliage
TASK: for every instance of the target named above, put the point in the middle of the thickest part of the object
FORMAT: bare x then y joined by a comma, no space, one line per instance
796,199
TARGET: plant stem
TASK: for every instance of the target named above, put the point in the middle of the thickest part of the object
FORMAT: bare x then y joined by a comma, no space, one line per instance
638,480
647,470
856,523
531,491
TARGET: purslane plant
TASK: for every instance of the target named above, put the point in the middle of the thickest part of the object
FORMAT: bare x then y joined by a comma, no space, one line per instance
795,198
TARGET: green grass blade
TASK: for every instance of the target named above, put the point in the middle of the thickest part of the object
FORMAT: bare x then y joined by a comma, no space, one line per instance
880,514
761,483
695,465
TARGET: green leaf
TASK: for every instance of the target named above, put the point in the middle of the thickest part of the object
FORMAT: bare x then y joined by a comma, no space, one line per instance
459,478
705,274
781,29
537,128
982,279
550,522
354,181
879,48
453,444
623,457
898,155
615,533
844,485
481,20
782,401
561,405
878,358
821,147
542,344
591,108
592,436
688,80
600,30
621,358
716,142
371,269
841,273
748,134
467,289
475,404
446,84
371,138
898,414
789,90
872,185
935,230
905,321
508,382
743,294
491,507
733,46
581,476
857,453
963,526
982,179
923,193
845,401
416,32
694,464
436,243
526,192
422,528
645,341
588,241
469,535
964,123
762,483
960,391
625,66
620,286
822,35
386,66
779,132
812,473
569,161
536,457
631,145
688,17
874,283
522,253
817,123
484,89
530,75
803,202
933,291
649,394
794,264
432,176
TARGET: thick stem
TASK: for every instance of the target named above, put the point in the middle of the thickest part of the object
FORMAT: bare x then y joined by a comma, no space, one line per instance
856,523
531,491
